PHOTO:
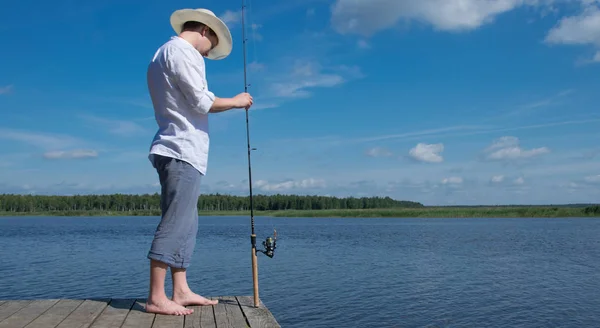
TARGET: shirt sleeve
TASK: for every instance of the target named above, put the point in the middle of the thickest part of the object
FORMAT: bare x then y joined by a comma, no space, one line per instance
190,78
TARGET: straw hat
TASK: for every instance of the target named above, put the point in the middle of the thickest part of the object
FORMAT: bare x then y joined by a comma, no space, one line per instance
208,18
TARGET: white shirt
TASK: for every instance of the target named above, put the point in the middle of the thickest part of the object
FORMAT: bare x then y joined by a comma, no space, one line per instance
177,84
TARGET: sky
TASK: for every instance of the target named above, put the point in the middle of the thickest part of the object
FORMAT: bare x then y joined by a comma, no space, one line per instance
444,102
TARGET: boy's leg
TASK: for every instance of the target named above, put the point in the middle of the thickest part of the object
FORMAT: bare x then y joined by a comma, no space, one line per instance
182,294
158,302
180,185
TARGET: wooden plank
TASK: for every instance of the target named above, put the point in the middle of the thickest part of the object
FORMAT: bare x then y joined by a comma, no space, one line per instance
230,312
203,317
55,314
207,318
27,314
220,314
114,314
138,317
193,320
168,321
235,316
85,314
258,317
10,307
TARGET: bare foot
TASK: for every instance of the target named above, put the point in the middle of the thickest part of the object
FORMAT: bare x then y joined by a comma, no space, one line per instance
191,298
167,307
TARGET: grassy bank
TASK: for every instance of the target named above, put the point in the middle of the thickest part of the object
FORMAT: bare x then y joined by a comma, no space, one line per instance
449,212
426,212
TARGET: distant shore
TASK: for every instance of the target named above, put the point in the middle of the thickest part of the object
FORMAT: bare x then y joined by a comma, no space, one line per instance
425,212
293,206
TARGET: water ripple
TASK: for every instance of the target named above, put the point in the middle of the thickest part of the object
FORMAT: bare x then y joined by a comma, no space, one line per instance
333,272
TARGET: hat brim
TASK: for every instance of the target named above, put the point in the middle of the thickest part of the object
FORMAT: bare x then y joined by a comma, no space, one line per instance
223,48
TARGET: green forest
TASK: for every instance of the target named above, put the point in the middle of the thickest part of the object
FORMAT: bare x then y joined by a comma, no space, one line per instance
10,203
276,206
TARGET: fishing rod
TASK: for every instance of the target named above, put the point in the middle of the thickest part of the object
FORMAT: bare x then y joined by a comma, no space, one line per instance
269,243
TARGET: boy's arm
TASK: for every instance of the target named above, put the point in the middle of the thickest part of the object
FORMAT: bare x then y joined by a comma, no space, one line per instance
223,104
190,80
242,100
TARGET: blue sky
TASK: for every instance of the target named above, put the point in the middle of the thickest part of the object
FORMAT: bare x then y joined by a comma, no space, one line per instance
442,102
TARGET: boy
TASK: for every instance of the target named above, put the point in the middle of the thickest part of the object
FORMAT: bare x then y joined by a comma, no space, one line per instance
179,151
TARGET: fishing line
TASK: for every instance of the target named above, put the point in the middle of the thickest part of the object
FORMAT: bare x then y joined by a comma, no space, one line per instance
254,27
255,38
269,243
253,23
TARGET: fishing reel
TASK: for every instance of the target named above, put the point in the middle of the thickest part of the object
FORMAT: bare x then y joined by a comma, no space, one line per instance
269,244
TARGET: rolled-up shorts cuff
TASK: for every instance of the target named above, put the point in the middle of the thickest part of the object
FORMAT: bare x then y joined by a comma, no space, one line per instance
169,260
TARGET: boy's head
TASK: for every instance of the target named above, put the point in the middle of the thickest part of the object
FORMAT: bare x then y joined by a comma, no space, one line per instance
207,38
207,32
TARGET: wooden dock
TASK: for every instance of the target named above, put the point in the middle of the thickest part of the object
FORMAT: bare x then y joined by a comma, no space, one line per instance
231,312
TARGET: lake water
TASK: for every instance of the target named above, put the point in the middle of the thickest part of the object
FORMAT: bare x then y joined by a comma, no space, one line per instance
333,272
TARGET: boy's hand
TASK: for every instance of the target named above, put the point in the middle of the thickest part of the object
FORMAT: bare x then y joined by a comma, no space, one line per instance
243,100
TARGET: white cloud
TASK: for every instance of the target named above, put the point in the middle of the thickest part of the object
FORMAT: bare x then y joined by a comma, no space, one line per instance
254,32
42,140
593,179
378,152
73,154
362,44
306,75
234,18
464,130
502,180
259,106
256,66
294,78
497,178
582,29
231,18
117,127
452,181
414,134
141,102
298,89
366,17
124,128
275,186
68,188
548,101
290,185
351,72
429,153
429,188
555,170
508,148
6,89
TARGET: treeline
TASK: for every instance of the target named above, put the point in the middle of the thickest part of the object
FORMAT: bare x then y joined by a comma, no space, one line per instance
211,202
592,210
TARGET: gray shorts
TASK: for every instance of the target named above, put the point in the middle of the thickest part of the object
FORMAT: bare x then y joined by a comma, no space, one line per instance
175,236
